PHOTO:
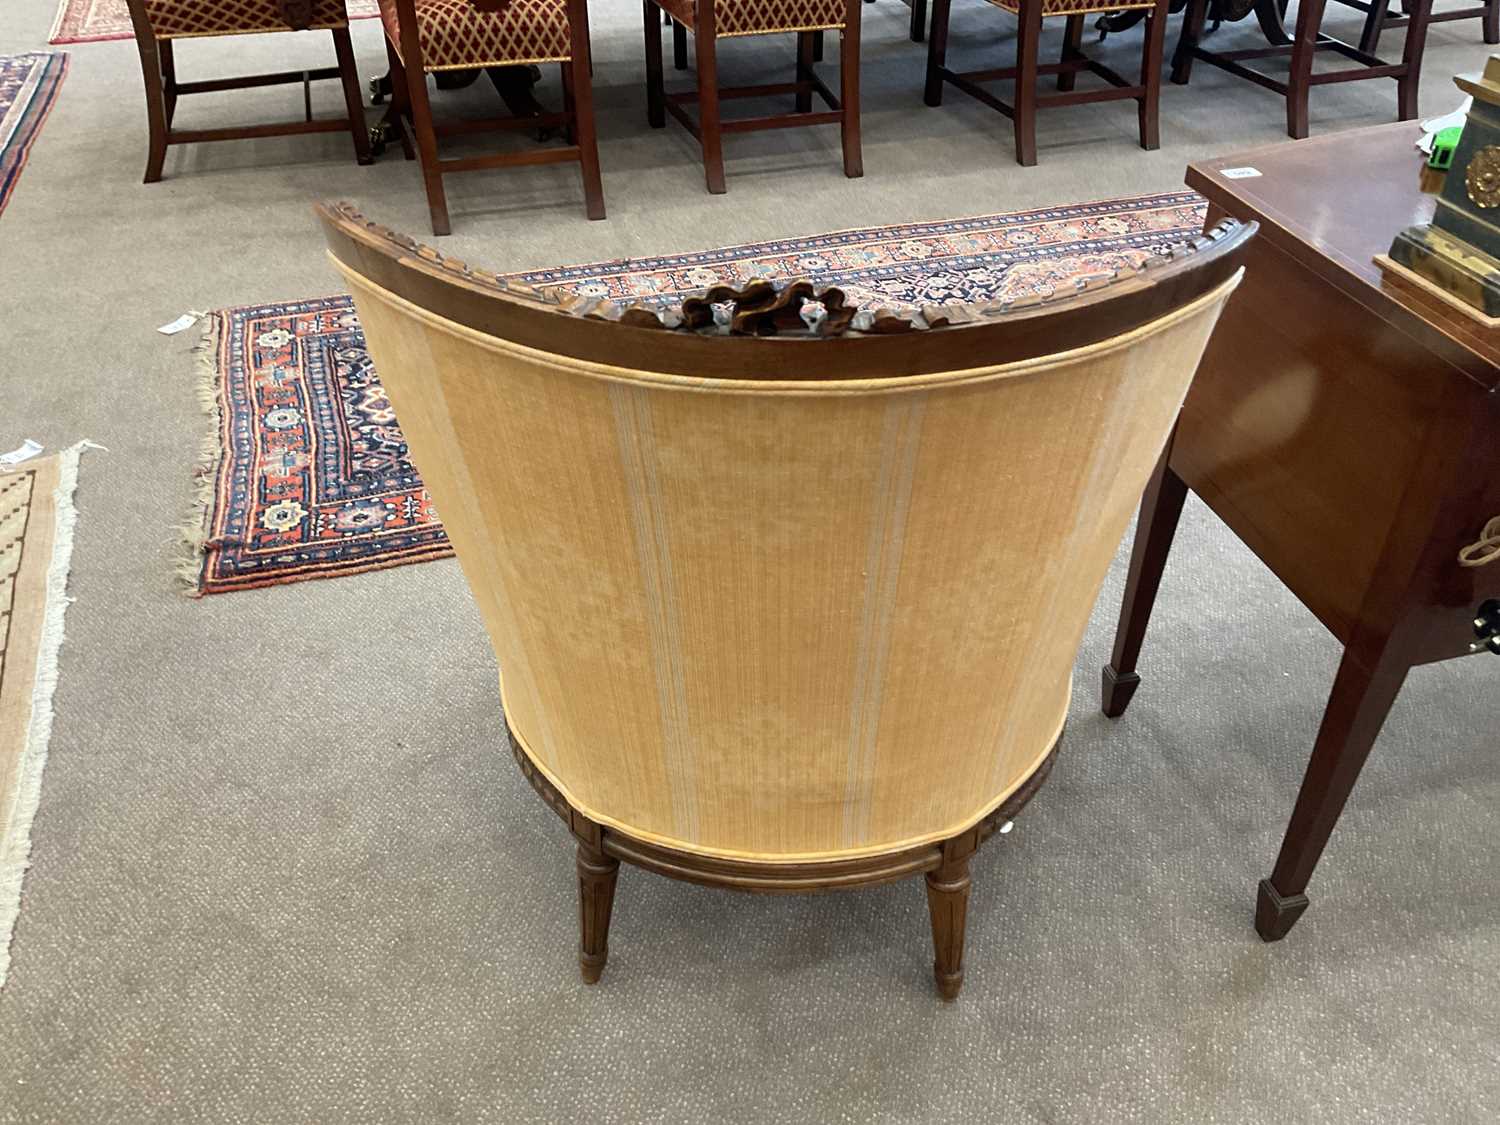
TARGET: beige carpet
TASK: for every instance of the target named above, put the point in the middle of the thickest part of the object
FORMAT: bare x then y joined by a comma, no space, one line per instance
36,542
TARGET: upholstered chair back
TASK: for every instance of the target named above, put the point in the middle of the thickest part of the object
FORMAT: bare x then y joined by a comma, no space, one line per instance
771,592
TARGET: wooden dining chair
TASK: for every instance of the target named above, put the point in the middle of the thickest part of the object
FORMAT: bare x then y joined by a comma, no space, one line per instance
1030,13
1380,16
432,36
1299,48
158,24
711,20
786,594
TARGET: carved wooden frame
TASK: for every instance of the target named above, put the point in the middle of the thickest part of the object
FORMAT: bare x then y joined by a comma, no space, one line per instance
945,864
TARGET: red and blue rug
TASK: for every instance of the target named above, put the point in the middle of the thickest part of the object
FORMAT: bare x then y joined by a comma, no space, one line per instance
28,89
309,476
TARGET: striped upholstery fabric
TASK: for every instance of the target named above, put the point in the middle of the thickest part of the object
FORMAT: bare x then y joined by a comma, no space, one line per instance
456,35
1076,7
762,17
182,19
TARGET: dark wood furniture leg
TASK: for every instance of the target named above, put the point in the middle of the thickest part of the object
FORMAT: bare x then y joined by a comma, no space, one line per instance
1411,58
948,906
805,60
849,135
581,110
1161,507
353,102
1192,31
918,20
1492,21
710,133
1375,17
656,98
1304,44
1072,48
168,78
937,52
597,874
1148,108
398,115
817,52
1363,692
420,108
156,106
1028,47
679,46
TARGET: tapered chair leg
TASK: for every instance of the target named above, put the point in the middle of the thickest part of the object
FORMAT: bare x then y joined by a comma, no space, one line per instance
1411,58
679,46
854,159
1187,39
432,176
398,114
708,102
597,874
918,20
948,907
804,70
1299,85
1071,49
937,52
580,87
1369,38
353,102
1492,21
656,112
1028,46
156,107
1148,108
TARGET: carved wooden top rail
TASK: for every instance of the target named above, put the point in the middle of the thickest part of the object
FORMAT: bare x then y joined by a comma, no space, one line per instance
772,324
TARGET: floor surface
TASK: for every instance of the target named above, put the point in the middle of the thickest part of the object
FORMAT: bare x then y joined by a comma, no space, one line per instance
285,870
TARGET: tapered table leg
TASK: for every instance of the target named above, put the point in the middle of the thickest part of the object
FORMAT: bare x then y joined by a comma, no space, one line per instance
597,874
1363,692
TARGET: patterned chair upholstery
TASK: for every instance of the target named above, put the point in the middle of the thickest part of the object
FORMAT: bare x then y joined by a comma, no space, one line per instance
454,34
186,19
762,17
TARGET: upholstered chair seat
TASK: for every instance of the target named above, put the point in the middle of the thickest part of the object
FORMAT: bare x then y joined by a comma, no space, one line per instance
785,594
457,35
762,17
184,19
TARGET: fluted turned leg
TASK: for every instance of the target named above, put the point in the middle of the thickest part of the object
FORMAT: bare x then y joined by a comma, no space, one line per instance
597,873
948,904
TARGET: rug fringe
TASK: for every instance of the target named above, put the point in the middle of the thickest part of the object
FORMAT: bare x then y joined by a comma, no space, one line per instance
194,532
15,847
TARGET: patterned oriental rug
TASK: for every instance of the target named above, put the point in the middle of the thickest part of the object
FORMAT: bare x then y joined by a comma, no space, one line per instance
94,21
28,89
36,545
306,475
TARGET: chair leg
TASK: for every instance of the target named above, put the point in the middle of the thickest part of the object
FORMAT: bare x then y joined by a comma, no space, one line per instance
1187,40
570,130
1369,38
679,46
937,52
948,908
168,78
918,20
432,176
854,159
1492,21
1072,48
1154,46
597,874
399,112
656,115
804,70
1028,44
156,106
1309,19
708,103
1411,57
817,51
353,103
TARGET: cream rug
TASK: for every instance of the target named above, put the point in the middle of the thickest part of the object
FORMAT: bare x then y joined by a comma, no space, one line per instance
36,542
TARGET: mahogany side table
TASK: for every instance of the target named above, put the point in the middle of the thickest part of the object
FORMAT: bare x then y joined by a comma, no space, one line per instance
1347,428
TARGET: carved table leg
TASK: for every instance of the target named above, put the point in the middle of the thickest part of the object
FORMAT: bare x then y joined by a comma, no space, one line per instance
1161,507
948,904
1362,697
597,873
